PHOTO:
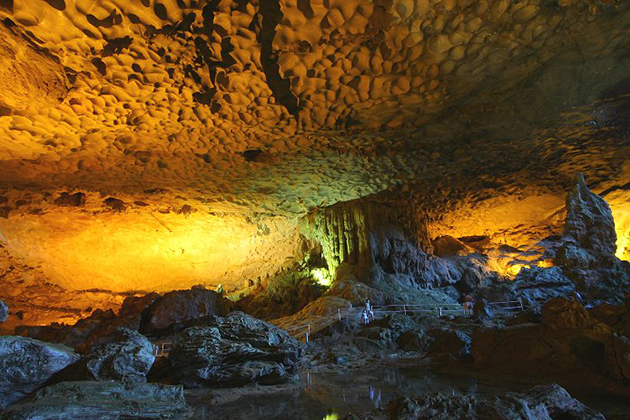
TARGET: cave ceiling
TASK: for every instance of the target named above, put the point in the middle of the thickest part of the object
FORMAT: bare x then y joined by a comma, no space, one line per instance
278,107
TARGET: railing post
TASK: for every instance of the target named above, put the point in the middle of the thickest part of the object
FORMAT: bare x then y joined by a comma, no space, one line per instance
520,301
440,311
405,309
339,313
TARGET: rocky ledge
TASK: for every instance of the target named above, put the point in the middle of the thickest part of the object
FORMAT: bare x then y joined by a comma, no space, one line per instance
544,402
101,401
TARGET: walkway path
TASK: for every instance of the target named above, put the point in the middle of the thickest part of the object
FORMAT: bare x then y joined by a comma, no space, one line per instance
304,331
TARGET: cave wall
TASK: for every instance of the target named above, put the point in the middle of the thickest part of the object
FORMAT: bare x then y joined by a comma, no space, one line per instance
83,240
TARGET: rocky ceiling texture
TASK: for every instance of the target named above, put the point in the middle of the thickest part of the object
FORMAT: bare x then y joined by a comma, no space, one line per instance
154,144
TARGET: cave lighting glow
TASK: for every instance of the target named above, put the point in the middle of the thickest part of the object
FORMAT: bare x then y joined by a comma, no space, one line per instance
621,214
322,276
623,247
138,251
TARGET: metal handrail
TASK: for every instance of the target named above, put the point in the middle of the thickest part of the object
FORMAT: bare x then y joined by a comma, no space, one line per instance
325,320
439,309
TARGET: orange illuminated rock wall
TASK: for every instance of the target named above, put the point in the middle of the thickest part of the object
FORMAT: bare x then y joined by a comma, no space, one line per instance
141,248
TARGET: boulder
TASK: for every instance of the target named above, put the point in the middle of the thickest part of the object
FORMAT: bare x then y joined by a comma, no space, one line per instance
232,351
447,246
4,311
175,309
129,357
616,317
611,315
567,346
533,286
570,314
436,342
451,343
134,308
101,401
398,323
26,364
382,337
414,340
98,328
587,254
537,285
543,402
151,314
589,228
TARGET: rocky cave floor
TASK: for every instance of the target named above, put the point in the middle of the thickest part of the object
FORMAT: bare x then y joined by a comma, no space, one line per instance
206,354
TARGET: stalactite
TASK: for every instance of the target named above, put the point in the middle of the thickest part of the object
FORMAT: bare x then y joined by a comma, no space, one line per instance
360,232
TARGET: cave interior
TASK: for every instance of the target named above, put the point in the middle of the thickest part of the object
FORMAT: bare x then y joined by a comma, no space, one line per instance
205,197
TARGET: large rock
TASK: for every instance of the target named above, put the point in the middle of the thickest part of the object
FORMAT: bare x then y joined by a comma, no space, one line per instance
150,314
436,342
233,350
589,227
4,311
101,401
563,314
533,286
587,253
129,357
567,346
616,317
175,309
79,336
543,402
26,364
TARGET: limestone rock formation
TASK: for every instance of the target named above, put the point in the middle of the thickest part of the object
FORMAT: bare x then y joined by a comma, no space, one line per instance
589,230
569,345
442,343
175,309
4,311
325,306
543,402
32,79
80,335
283,294
26,364
587,254
617,317
129,357
102,400
533,286
233,350
151,313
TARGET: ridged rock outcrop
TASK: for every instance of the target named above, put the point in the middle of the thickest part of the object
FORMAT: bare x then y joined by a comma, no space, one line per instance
128,357
102,401
176,308
569,345
232,351
543,402
26,364
587,254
